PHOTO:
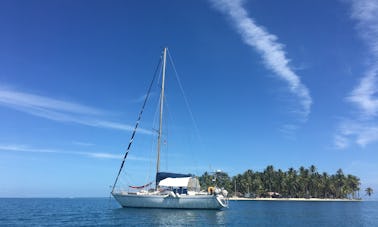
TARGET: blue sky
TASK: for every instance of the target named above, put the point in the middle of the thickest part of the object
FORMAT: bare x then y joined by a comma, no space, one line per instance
282,83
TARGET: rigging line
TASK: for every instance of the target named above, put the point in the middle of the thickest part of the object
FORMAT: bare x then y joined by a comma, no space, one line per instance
185,99
197,131
137,123
154,127
153,145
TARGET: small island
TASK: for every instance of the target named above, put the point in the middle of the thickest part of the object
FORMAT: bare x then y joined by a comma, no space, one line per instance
304,184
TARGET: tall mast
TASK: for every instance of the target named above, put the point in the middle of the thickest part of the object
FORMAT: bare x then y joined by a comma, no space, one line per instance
161,113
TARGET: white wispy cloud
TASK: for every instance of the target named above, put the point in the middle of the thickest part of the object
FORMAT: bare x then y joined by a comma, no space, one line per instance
361,132
363,129
341,141
84,144
59,110
288,130
364,95
26,148
31,101
268,46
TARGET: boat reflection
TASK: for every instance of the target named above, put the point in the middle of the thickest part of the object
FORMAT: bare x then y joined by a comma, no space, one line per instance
175,217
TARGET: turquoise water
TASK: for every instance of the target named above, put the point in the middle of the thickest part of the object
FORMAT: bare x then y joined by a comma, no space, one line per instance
105,212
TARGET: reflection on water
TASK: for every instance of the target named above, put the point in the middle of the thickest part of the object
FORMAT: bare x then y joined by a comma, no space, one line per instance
102,212
257,213
171,216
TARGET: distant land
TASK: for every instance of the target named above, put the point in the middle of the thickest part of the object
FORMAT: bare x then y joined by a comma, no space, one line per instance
303,184
294,199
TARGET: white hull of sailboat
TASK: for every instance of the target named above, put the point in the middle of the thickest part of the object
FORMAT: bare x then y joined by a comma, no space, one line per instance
171,202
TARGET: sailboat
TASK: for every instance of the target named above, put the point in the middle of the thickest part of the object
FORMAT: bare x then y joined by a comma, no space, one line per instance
172,190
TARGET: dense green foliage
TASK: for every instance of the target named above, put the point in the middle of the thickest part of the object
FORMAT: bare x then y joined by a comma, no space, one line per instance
301,183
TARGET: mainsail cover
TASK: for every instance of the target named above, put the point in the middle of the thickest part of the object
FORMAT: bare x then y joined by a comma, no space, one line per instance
190,183
162,175
175,182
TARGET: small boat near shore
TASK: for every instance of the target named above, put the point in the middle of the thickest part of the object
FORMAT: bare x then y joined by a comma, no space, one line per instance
172,190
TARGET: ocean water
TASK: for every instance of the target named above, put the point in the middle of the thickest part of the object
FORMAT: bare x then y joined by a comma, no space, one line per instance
106,212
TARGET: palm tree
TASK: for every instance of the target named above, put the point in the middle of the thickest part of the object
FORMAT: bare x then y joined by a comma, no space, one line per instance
247,176
369,191
281,186
223,181
313,181
269,177
312,169
340,178
258,185
352,184
325,185
292,182
304,179
206,180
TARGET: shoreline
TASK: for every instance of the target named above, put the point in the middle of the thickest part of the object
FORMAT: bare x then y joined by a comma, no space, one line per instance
294,199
